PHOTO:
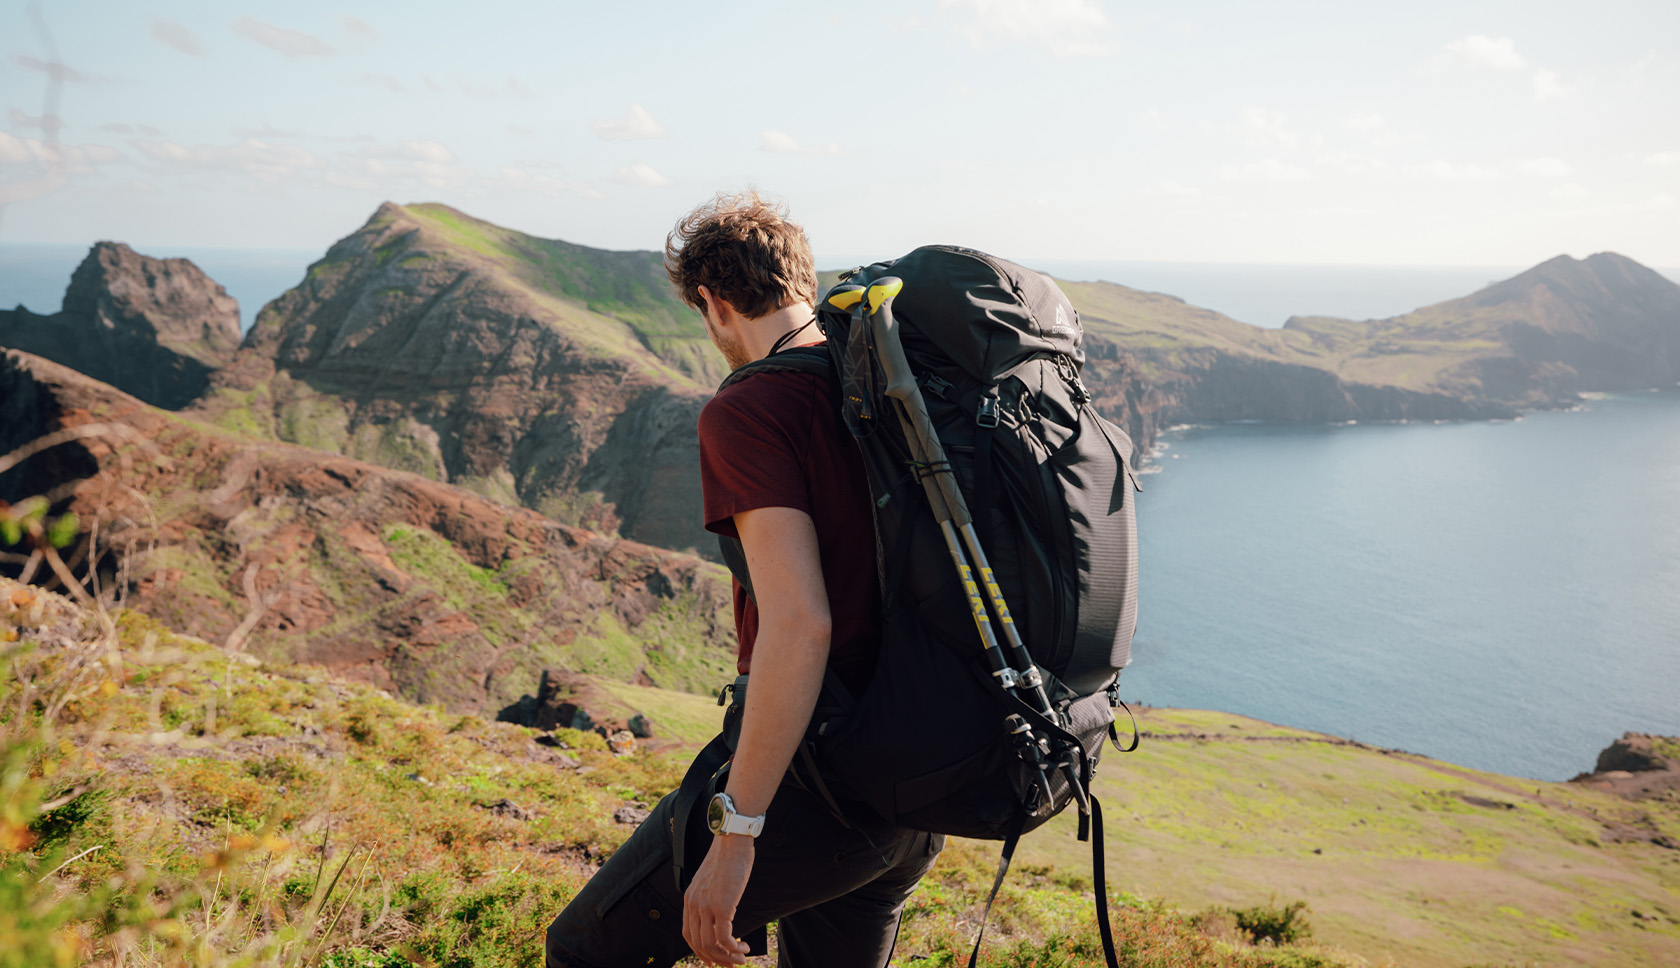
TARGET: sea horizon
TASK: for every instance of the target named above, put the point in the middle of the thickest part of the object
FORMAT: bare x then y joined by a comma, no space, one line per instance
1261,294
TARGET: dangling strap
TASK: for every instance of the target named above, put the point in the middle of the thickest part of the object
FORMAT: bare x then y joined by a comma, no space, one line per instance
997,882
1099,884
816,779
1114,737
695,782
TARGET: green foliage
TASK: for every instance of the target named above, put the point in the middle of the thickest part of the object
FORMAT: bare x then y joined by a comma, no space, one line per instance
1272,924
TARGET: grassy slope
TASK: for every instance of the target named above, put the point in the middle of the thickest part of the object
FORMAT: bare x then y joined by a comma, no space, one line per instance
616,302
246,814
1409,869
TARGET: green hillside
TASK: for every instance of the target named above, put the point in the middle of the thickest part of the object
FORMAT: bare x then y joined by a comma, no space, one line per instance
169,804
164,803
629,288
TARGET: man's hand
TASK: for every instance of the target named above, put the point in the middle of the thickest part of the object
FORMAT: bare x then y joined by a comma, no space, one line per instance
709,905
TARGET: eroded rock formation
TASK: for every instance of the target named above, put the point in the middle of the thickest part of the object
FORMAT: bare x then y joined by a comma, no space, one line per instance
155,328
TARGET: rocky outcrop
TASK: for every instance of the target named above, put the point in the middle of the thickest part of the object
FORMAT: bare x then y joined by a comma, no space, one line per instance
1639,765
425,589
155,328
533,371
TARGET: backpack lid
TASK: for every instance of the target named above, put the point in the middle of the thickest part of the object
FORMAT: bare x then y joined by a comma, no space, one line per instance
984,314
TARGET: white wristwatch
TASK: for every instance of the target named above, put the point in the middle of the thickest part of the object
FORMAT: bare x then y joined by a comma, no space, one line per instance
722,818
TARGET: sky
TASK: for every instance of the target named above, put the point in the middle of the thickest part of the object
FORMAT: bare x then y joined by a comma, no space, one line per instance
1430,133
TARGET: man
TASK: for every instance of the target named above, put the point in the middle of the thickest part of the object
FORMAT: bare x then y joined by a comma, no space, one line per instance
780,474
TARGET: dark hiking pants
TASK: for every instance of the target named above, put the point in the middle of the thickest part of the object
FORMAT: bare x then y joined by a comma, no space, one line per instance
835,893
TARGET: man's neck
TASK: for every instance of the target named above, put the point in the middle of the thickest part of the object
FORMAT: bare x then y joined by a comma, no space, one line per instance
762,333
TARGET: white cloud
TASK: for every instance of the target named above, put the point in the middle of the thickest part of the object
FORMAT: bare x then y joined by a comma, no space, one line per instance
1260,126
357,27
1660,159
1569,191
176,36
1351,162
519,90
1662,202
1480,50
1448,171
1375,128
782,143
426,151
521,177
1546,167
387,82
33,151
1265,170
636,125
1175,190
1065,28
642,176
268,163
264,133
1548,87
291,44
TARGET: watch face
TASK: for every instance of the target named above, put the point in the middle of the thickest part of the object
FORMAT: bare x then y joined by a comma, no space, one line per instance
714,815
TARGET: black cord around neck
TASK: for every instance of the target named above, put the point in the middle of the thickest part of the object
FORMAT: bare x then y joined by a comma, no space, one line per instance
776,347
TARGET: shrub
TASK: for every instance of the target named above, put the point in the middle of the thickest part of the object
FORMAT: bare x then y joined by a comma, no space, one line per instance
1267,923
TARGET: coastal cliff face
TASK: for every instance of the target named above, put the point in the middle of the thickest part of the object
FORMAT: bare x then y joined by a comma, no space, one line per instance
155,328
539,373
427,590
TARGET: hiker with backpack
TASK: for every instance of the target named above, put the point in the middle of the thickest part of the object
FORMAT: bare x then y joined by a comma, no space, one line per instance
909,668
779,475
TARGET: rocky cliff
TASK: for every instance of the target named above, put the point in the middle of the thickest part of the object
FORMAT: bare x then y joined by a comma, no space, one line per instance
531,370
428,590
155,328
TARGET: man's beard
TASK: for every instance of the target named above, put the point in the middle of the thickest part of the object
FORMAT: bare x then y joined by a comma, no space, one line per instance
733,352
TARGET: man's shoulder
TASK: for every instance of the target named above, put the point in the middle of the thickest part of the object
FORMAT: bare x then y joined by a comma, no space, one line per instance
768,391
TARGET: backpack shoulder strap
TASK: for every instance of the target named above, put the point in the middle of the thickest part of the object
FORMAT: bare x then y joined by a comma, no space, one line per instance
795,359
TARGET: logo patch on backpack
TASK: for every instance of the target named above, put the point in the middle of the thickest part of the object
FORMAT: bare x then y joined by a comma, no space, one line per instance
1061,328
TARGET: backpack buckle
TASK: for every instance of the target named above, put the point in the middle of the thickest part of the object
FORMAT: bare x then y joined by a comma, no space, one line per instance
987,414
935,384
1070,373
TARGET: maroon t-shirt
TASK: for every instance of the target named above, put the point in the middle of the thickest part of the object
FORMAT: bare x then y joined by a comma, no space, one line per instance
774,440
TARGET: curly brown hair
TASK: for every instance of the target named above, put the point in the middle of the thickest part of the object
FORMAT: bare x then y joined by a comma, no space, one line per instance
745,250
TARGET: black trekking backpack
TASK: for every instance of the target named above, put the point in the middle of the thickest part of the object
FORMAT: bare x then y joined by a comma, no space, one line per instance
1003,639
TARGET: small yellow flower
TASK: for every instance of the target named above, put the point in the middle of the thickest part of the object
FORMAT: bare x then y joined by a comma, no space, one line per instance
241,842
15,836
276,844
108,688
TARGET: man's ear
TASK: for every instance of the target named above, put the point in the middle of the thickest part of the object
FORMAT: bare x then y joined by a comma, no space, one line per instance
715,306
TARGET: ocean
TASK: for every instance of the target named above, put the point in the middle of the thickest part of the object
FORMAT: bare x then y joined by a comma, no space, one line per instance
1501,595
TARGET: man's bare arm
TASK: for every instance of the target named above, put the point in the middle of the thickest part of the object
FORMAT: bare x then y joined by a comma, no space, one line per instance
788,660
